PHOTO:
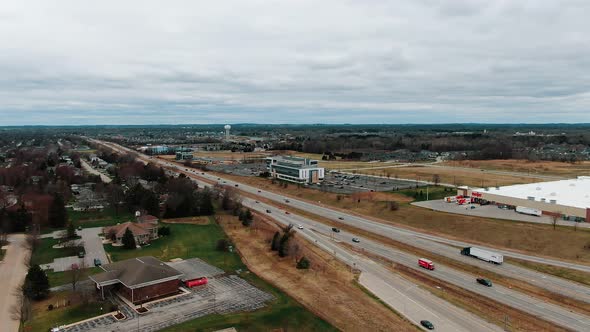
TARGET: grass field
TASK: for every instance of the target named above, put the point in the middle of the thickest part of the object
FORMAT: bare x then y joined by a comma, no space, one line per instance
185,241
62,278
107,217
427,193
45,319
529,167
472,178
45,254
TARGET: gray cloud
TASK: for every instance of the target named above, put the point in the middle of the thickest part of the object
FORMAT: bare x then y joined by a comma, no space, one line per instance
73,62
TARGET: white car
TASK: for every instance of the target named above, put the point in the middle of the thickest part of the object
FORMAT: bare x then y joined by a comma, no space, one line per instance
299,227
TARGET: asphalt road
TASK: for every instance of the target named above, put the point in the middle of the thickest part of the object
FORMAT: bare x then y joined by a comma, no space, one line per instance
12,275
429,242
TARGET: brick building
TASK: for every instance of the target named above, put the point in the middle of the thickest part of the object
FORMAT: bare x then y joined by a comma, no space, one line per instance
138,279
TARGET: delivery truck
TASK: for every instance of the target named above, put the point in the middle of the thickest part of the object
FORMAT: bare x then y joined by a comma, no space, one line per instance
484,255
425,263
529,211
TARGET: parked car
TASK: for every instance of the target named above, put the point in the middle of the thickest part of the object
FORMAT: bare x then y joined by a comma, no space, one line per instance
427,324
356,240
81,254
75,266
79,228
97,262
485,282
335,230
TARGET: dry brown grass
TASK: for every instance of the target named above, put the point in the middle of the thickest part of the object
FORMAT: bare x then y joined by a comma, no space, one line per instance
326,289
563,243
525,166
474,178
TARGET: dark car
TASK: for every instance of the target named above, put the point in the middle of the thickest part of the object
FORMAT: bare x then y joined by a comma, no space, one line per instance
97,262
485,282
267,211
340,218
427,324
236,184
335,230
81,254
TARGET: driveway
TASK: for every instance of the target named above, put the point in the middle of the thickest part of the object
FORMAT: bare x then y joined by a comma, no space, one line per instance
12,275
92,246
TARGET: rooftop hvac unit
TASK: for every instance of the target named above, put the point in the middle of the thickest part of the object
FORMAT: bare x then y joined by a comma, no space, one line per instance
553,201
531,198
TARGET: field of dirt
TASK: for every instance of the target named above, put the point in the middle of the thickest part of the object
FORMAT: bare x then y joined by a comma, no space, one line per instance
452,176
326,289
529,167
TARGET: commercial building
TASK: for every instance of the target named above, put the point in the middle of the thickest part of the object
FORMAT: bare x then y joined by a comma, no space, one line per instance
565,198
138,279
295,169
184,155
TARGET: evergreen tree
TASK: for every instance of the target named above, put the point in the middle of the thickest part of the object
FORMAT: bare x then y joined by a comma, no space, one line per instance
36,284
58,216
276,239
303,263
128,240
284,245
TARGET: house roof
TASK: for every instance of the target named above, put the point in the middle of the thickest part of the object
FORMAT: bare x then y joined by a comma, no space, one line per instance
135,228
135,272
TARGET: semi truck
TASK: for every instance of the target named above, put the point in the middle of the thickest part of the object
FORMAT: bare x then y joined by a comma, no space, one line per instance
425,263
529,211
484,255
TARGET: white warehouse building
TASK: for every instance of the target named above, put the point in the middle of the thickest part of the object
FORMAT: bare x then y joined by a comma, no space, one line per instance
295,169
567,198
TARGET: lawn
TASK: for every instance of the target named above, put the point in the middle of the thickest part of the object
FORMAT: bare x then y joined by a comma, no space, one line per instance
45,319
107,217
45,254
62,278
185,241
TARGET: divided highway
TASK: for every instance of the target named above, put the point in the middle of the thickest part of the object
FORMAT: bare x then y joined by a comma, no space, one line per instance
432,243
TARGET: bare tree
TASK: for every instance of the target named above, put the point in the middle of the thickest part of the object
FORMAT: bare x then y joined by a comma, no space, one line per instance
21,310
77,273
555,219
436,179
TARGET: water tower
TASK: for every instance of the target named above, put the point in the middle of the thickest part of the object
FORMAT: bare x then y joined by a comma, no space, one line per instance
227,128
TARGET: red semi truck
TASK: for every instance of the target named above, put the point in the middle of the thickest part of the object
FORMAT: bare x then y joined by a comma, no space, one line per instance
196,282
425,263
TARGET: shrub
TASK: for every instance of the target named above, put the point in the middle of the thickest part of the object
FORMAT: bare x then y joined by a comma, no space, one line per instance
222,245
303,264
50,307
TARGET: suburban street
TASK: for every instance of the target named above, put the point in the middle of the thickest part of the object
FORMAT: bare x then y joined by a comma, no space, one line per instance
12,274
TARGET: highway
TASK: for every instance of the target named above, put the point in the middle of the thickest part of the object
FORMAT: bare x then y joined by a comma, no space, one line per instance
509,297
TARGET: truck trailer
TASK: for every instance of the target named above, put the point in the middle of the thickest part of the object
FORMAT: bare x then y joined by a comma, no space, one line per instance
529,211
425,263
484,255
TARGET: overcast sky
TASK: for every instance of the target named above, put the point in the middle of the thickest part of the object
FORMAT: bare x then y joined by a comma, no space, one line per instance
364,61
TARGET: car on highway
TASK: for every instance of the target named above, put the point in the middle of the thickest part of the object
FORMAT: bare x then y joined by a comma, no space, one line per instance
484,281
336,230
427,324
259,191
356,240
236,184
340,218
257,202
299,227
287,212
286,201
218,178
267,211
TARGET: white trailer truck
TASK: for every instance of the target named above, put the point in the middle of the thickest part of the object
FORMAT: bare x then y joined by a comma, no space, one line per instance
484,255
529,211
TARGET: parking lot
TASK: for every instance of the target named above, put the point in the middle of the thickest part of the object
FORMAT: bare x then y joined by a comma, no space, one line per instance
223,294
491,211
92,247
241,169
350,183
